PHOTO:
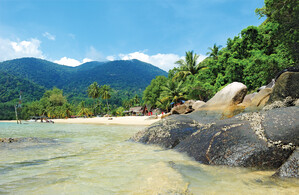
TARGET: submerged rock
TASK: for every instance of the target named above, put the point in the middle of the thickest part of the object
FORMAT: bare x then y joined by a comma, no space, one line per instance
8,140
290,167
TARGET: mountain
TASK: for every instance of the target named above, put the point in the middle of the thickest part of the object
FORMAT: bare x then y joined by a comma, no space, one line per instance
10,87
124,76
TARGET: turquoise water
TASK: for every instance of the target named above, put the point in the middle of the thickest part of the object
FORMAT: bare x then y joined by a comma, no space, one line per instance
97,159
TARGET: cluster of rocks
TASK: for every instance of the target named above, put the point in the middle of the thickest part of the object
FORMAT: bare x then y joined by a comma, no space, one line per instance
258,130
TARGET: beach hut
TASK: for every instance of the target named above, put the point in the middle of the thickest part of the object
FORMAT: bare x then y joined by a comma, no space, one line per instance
136,111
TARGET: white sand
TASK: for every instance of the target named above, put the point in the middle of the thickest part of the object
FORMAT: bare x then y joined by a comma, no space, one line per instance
127,120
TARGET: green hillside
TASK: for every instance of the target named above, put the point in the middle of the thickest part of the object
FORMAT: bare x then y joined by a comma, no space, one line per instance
36,75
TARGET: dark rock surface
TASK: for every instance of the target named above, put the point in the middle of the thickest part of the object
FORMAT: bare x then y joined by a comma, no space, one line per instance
262,140
167,132
290,167
286,85
232,142
282,125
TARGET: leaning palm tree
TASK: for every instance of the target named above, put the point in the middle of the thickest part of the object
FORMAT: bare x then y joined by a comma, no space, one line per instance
188,66
94,92
214,51
105,93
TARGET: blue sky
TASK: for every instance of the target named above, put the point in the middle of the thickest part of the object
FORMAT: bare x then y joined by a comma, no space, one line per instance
71,32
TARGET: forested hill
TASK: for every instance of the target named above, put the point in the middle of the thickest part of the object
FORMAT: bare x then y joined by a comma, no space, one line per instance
33,76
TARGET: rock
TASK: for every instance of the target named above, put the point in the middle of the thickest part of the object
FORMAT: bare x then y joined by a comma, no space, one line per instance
290,167
286,85
184,108
282,125
280,104
198,104
168,132
225,101
296,102
261,98
181,109
9,140
232,94
247,140
248,98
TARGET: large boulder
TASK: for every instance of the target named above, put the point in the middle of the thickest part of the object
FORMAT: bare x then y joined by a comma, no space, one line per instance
290,167
247,140
286,85
232,94
226,100
168,132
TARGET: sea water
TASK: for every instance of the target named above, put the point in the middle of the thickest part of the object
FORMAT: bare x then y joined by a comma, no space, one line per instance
98,159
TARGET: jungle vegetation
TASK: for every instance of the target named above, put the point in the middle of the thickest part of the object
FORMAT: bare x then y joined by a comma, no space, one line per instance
253,58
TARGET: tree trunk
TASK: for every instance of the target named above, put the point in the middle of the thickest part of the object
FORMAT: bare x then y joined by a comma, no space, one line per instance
107,105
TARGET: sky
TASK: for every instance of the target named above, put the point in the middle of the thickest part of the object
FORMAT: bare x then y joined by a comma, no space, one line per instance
159,32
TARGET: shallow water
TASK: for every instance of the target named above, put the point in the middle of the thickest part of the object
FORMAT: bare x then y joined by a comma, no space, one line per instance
97,159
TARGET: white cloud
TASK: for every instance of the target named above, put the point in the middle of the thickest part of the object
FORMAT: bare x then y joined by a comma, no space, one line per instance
110,58
49,36
68,61
17,49
163,61
71,62
86,60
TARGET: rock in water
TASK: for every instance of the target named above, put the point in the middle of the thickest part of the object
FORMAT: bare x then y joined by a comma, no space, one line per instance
248,140
168,132
290,167
286,85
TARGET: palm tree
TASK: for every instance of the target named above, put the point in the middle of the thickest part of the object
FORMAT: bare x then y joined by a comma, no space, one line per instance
188,66
83,110
105,93
136,100
173,92
94,92
214,51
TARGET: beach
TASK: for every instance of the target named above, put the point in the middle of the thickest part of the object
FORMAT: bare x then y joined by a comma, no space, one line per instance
126,120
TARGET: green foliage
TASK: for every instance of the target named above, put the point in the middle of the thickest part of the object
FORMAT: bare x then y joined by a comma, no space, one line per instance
152,93
188,66
34,76
83,110
254,57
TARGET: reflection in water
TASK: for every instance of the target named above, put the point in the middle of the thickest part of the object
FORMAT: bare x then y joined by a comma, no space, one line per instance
94,159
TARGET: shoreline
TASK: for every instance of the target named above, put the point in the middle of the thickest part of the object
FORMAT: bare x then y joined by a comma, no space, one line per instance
126,120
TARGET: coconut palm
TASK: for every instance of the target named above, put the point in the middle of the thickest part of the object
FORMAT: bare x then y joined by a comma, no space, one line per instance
105,93
83,111
187,66
94,92
214,51
136,100
173,92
